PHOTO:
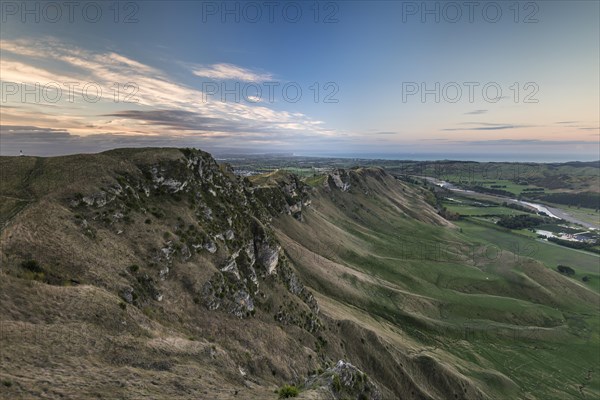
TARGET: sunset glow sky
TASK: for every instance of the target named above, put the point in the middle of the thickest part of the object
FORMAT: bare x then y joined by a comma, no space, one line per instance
361,67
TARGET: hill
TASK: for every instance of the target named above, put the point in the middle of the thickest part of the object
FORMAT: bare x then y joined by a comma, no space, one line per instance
158,273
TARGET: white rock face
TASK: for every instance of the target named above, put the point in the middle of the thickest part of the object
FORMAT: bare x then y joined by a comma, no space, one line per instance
351,382
268,256
127,294
211,247
164,258
186,254
97,199
162,274
249,248
168,251
337,179
195,163
231,268
242,303
296,207
173,185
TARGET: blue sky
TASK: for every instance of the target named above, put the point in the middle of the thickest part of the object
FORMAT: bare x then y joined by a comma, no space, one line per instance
371,62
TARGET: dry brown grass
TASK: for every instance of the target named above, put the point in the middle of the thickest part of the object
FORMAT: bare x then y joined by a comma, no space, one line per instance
66,333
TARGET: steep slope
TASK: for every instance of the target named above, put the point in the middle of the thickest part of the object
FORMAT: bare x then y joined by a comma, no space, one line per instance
157,273
376,254
152,273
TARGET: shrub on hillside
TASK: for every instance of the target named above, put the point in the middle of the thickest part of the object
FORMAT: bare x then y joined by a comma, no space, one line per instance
288,391
563,269
520,221
32,265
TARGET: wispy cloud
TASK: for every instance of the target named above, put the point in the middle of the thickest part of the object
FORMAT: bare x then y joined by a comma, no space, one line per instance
521,142
33,140
230,72
486,126
580,125
163,106
41,141
476,112
183,120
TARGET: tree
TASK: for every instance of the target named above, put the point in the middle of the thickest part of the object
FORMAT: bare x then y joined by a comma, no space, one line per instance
563,269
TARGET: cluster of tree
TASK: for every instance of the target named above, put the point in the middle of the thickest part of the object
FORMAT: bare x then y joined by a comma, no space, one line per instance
498,192
32,266
497,186
575,245
519,207
563,269
584,199
409,179
449,215
520,221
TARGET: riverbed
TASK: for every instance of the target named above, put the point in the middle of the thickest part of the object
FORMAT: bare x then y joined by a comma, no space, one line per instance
552,212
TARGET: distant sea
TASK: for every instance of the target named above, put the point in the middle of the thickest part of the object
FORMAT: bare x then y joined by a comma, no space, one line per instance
498,157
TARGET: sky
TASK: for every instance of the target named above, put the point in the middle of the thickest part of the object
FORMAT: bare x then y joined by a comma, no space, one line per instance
513,80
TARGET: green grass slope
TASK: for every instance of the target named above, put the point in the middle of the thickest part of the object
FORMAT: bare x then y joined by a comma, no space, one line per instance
157,273
480,302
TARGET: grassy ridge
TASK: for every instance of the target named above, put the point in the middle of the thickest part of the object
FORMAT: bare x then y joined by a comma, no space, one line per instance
475,294
432,309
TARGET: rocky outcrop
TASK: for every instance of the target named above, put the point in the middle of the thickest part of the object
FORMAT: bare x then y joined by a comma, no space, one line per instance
346,179
127,294
267,255
211,247
339,179
231,268
160,180
231,224
296,287
345,381
228,291
286,194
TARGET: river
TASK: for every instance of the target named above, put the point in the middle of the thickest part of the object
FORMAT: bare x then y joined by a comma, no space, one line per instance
552,212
